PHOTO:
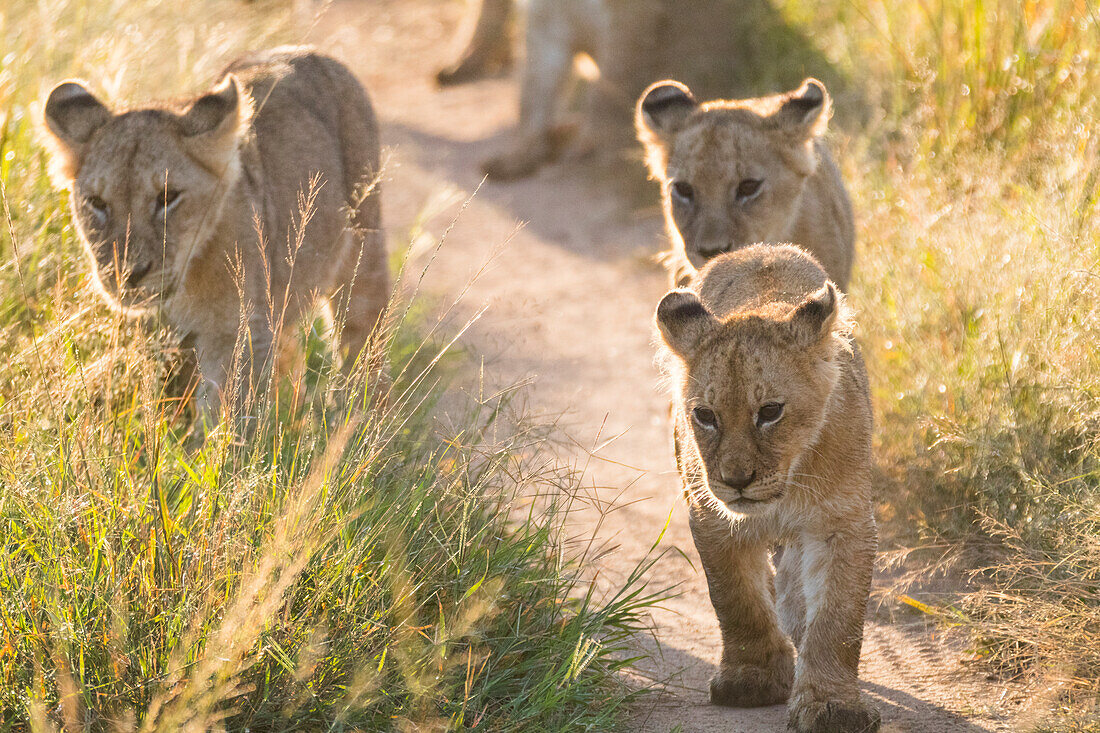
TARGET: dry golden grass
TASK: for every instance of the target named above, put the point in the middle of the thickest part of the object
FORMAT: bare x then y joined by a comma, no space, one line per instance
976,179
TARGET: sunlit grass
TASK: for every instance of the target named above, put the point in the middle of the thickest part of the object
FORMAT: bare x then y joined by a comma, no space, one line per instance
340,568
329,571
976,177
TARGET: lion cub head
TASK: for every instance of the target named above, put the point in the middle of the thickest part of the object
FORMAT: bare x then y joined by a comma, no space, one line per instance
754,360
732,172
147,185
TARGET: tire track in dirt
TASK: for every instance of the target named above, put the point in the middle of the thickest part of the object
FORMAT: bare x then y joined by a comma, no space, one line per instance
570,300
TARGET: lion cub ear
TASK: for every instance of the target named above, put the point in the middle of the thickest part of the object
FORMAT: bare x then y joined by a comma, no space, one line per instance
805,112
661,112
821,315
72,115
801,118
683,321
214,124
663,107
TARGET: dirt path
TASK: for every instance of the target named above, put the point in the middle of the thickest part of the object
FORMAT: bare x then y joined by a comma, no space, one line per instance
570,301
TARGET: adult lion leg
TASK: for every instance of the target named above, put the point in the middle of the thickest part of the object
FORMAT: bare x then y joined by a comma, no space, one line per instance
757,664
549,64
489,50
836,577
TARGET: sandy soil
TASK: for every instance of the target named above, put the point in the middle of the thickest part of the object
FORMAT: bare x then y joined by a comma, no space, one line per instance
570,299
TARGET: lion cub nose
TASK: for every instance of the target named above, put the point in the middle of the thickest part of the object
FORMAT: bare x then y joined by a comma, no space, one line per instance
737,478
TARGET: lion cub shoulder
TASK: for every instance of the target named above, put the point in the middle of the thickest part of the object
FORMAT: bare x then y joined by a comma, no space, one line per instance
740,172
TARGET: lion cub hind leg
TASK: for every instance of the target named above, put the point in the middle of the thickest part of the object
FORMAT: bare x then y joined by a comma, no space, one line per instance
359,309
836,577
360,306
757,665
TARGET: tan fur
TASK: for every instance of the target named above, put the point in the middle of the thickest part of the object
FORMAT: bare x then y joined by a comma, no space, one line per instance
714,44
764,326
286,131
489,48
716,148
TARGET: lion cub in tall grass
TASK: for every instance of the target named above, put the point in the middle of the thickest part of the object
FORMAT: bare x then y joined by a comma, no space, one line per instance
233,213
773,432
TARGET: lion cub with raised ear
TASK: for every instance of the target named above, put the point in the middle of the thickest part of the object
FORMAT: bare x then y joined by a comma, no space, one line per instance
773,433
235,212
747,171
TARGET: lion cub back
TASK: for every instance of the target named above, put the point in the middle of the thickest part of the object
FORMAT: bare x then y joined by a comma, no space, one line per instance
316,145
776,277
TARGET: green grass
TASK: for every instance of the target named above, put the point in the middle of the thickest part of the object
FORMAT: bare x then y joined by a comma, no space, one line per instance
356,575
976,182
340,569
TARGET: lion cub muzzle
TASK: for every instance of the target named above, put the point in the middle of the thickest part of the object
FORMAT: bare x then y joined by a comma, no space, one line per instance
745,493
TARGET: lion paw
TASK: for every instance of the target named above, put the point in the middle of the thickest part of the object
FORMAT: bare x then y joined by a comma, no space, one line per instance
748,686
834,716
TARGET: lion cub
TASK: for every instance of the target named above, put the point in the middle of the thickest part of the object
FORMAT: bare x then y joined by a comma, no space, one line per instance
233,213
741,172
773,433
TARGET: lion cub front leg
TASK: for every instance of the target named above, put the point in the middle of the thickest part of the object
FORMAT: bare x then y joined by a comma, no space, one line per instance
836,577
233,373
757,664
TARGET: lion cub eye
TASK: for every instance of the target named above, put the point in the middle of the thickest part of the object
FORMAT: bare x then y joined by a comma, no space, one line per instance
705,417
166,201
99,209
769,413
748,188
682,192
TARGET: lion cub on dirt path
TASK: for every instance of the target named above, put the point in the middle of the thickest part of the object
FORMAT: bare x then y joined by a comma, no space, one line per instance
773,429
234,212
740,172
